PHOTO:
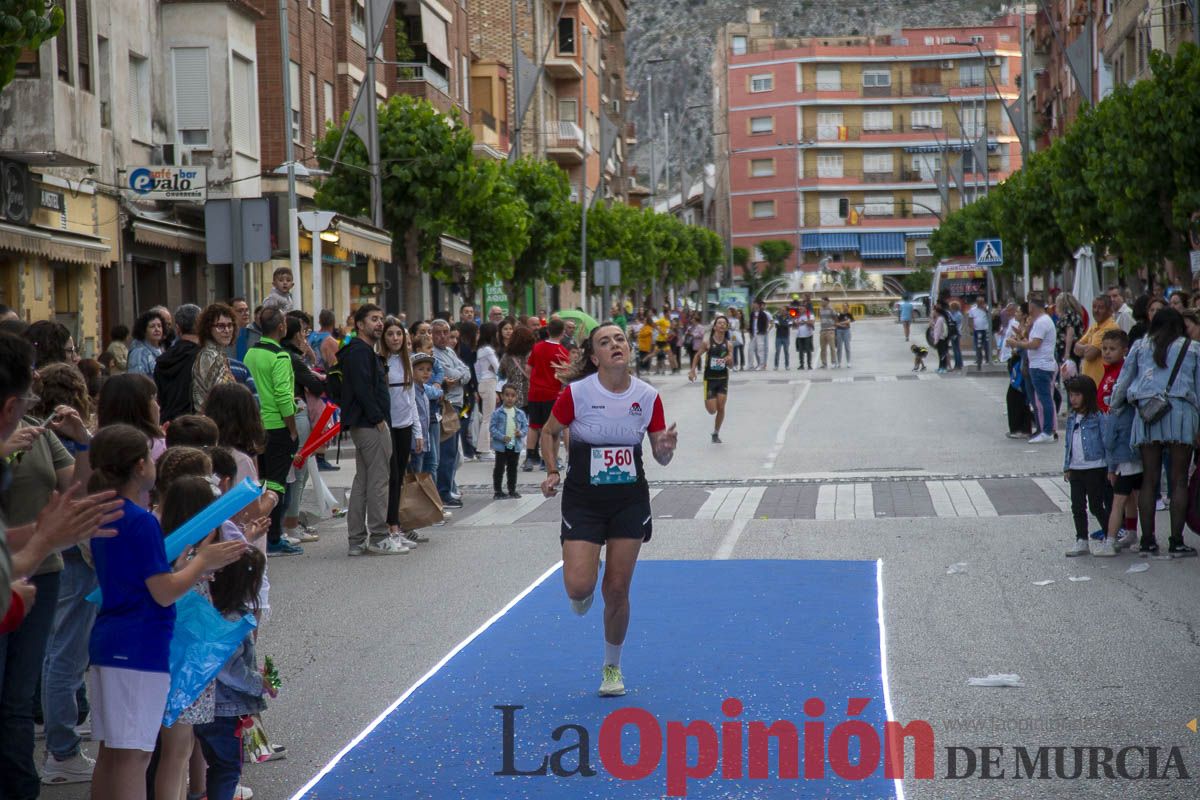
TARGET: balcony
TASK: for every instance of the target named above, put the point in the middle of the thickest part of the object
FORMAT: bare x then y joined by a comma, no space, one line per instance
564,142
488,130
427,81
564,66
47,122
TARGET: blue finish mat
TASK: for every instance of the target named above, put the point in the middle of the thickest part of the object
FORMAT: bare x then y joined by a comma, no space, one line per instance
770,633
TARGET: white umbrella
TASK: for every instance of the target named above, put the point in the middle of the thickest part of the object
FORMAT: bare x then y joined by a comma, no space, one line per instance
1087,282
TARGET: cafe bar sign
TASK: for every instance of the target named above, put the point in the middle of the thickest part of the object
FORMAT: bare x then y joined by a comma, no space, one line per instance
168,183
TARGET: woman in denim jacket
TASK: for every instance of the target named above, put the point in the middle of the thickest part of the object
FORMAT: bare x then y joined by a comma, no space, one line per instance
1084,465
1146,373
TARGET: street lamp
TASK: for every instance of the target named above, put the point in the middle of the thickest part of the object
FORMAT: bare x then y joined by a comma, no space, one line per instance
650,114
318,222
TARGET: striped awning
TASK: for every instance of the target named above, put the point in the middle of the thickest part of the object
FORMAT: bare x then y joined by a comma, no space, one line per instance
883,245
829,242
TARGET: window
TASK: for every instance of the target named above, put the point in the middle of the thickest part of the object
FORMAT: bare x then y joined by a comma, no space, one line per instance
877,163
739,45
921,249
762,167
974,122
876,78
762,83
566,36
464,81
192,115
829,125
139,98
104,81
762,209
877,120
62,46
799,78
294,79
83,44
312,105
926,118
244,94
568,111
829,79
762,124
358,22
926,204
970,75
927,166
879,205
830,211
830,166
325,12
328,102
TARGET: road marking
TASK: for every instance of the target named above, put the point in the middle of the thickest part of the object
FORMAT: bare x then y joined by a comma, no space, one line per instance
505,512
731,503
942,505
960,499
864,501
827,501
979,499
883,660
845,501
1055,492
445,659
781,434
725,550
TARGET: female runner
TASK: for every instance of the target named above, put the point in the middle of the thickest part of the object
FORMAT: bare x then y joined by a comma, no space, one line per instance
606,500
716,353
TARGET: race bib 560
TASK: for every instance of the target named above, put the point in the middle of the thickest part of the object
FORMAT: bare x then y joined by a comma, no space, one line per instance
612,465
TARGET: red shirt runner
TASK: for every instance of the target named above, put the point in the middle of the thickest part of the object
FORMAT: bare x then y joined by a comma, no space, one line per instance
544,385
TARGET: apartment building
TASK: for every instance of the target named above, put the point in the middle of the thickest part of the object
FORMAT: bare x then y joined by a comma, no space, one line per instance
126,84
856,147
1131,29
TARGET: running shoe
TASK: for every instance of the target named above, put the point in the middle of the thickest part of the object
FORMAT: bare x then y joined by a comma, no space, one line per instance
450,502
499,496
399,539
357,550
1041,438
529,465
1162,504
302,536
1148,549
76,769
284,548
1181,550
716,439
1079,548
514,495
1127,539
1103,548
613,684
580,607
324,466
387,547
414,536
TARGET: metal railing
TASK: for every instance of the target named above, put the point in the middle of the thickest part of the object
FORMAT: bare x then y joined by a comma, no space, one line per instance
561,133
413,71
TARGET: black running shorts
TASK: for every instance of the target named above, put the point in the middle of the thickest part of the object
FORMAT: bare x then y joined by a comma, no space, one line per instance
539,412
589,522
714,387
1127,484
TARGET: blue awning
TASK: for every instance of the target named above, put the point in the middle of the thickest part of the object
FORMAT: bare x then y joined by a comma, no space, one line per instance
829,242
919,234
955,147
883,245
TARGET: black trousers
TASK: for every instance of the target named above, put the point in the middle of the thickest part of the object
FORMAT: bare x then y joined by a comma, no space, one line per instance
804,349
1090,490
401,450
273,467
1019,418
506,462
943,351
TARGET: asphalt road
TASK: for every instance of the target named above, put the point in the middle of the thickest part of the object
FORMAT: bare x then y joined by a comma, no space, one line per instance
1106,662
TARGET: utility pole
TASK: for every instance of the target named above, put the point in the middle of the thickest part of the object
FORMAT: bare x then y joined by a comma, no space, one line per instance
583,203
653,175
372,124
667,155
1026,141
516,80
289,152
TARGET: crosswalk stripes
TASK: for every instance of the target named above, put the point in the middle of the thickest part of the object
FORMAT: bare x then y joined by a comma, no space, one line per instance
845,501
738,502
1055,492
505,512
960,499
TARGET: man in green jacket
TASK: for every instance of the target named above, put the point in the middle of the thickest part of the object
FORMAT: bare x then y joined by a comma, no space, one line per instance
271,367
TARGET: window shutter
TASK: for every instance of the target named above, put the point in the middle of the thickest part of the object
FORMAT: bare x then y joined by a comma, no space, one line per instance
62,46
191,89
83,42
244,90
135,96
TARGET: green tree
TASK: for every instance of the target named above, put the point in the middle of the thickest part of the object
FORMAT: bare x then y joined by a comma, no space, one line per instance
553,221
24,25
776,252
957,234
741,257
495,219
919,281
426,165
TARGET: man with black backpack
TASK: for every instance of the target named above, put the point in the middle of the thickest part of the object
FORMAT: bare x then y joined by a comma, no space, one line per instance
366,413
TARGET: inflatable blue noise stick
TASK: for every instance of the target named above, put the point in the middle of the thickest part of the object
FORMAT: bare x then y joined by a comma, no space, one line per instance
212,517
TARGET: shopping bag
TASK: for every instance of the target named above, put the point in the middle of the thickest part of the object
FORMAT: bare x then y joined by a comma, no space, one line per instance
256,745
420,504
450,421
203,642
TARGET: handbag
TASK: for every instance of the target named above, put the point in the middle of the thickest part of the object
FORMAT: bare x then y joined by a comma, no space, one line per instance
450,422
1155,407
420,503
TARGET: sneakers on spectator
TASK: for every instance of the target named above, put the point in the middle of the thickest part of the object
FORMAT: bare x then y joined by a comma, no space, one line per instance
1103,548
514,495
1181,550
1041,438
301,536
499,496
284,548
1148,549
324,466
415,536
387,547
530,465
1127,539
1079,548
243,793
451,502
1162,504
398,537
357,550
76,769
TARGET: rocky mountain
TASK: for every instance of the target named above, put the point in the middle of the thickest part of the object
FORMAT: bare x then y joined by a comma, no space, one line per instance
684,31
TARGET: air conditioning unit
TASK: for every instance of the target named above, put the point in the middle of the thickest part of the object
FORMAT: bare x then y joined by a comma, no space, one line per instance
947,64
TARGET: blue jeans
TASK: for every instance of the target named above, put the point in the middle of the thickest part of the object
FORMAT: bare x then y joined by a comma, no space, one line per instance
781,345
841,338
956,346
67,655
222,749
447,465
982,349
1043,399
428,462
21,655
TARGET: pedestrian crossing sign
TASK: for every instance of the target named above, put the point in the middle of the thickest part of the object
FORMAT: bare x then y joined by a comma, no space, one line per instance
989,252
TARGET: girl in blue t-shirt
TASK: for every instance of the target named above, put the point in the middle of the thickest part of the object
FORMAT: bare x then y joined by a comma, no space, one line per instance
130,641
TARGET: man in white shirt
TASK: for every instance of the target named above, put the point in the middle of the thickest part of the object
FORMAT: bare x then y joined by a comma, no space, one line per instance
981,326
1040,344
1122,313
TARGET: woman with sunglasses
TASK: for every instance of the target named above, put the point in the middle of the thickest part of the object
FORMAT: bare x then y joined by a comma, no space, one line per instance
216,330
